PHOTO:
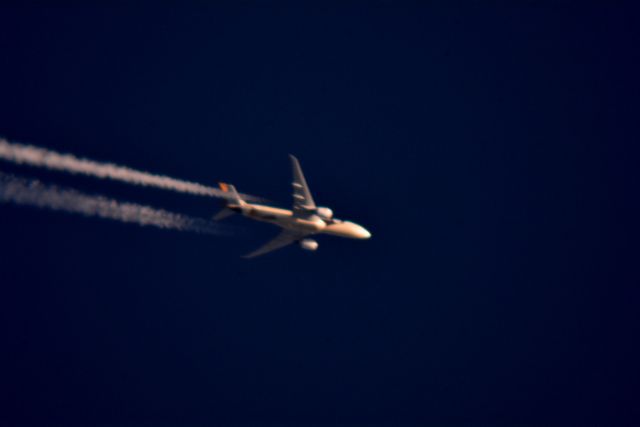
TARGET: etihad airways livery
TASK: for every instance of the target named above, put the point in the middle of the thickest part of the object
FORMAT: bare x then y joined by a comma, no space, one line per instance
305,219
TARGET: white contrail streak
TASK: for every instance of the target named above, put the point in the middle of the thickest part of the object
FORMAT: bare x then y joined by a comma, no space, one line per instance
34,193
41,157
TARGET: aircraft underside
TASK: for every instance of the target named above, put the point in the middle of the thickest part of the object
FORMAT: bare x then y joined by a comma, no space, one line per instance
303,220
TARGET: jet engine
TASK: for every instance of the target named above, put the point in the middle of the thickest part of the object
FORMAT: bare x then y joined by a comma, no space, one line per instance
325,214
308,244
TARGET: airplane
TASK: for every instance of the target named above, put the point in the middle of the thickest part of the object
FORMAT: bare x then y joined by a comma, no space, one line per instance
303,220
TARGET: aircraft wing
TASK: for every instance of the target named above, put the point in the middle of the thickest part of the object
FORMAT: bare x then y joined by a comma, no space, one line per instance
302,199
285,238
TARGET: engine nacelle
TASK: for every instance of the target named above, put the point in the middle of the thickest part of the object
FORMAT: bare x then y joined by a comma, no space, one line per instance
324,213
308,244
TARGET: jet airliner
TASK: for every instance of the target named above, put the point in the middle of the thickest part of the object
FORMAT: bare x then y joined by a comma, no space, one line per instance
303,220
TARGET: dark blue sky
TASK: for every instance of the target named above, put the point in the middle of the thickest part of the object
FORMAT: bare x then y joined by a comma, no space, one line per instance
490,147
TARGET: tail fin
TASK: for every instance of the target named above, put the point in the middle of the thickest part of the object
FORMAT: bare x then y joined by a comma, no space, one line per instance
233,199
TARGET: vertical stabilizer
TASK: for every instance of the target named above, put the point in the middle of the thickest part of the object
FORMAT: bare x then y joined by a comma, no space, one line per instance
234,202
233,195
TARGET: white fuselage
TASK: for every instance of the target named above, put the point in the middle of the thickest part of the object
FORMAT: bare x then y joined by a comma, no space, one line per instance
313,225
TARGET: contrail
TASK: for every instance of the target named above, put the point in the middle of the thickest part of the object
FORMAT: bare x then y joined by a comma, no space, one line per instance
41,157
34,193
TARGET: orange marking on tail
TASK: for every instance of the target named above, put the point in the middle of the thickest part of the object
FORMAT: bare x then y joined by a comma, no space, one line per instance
224,187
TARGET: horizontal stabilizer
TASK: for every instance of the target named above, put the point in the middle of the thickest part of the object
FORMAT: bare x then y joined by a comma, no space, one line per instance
224,213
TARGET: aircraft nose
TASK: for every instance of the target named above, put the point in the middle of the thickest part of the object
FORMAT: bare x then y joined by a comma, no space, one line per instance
362,232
